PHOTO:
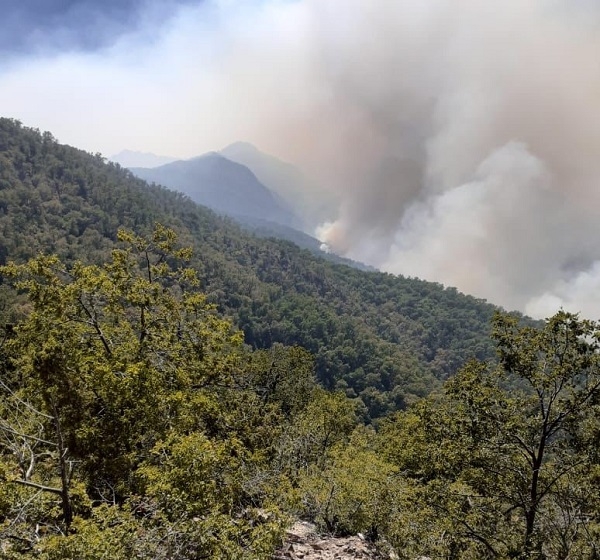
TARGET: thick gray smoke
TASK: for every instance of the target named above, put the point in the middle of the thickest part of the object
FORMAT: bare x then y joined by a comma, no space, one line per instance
468,144
462,137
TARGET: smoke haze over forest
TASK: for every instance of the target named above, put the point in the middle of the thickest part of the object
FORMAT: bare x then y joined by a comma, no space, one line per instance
461,137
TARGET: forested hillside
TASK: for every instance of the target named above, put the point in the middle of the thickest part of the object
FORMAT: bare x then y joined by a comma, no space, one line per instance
136,423
383,338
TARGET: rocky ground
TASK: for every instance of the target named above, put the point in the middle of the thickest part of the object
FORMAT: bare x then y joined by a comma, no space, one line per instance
303,542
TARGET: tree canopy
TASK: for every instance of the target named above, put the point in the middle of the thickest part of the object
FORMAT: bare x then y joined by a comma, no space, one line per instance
506,459
135,421
126,397
383,339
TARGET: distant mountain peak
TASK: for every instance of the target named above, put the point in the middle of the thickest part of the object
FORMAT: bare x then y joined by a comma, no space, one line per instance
223,185
131,158
240,145
207,155
312,203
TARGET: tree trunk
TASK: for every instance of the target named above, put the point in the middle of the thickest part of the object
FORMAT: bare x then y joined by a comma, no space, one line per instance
64,473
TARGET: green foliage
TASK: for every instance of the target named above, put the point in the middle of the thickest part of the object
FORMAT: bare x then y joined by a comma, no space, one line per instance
134,423
191,475
349,492
328,419
385,340
506,458
136,532
114,349
283,376
125,395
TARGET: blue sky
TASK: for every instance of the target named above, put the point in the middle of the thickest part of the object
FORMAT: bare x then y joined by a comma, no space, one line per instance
34,26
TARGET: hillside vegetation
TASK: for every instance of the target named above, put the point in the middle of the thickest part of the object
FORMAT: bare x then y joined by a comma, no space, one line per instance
136,423
384,339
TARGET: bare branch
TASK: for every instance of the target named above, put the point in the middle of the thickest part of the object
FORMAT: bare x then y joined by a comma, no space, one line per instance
4,427
37,486
24,403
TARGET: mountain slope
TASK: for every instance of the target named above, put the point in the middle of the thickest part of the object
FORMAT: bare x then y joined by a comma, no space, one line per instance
223,185
311,202
263,228
384,339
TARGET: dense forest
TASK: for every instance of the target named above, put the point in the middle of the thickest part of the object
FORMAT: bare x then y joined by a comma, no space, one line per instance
385,339
172,388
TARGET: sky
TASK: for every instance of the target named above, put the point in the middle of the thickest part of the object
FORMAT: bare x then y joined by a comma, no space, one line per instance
461,137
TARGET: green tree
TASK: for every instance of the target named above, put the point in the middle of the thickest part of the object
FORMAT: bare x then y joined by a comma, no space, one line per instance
505,458
309,439
351,492
112,393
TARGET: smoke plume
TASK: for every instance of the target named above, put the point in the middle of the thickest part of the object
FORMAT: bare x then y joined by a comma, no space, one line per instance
465,143
461,137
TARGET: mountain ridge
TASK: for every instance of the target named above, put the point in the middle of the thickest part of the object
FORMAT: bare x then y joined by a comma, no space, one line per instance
131,158
384,340
314,204
223,185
